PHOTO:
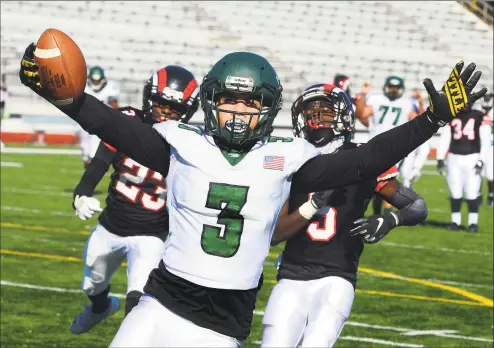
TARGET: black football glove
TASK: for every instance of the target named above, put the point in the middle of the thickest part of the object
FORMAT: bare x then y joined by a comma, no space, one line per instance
374,228
441,168
321,199
455,96
478,167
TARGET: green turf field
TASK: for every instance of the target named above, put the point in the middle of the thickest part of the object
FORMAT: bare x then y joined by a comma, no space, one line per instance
421,286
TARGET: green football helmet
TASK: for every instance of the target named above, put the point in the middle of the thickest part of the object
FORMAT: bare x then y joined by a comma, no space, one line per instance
393,88
96,78
241,74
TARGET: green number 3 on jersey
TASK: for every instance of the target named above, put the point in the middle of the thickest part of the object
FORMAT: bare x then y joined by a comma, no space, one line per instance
229,199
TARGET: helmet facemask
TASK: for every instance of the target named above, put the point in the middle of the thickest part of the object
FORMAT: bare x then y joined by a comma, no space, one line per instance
244,128
322,114
175,108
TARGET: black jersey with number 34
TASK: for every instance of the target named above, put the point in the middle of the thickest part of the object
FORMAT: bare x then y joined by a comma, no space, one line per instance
324,246
136,201
465,138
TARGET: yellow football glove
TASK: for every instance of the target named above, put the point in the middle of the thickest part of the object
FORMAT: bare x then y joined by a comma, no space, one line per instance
456,95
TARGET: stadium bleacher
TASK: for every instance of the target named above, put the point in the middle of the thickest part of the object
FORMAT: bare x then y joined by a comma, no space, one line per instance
307,41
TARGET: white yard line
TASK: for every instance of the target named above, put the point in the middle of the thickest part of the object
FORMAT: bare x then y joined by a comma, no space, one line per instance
404,331
36,192
11,164
37,211
373,340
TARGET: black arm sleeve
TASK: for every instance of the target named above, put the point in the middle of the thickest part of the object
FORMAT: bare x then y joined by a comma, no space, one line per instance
136,139
95,171
347,167
413,209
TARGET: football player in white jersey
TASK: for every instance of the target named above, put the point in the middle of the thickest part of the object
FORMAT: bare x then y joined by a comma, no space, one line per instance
227,183
383,111
107,92
488,155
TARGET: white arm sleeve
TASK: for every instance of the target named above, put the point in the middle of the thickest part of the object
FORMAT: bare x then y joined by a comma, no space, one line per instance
444,141
485,141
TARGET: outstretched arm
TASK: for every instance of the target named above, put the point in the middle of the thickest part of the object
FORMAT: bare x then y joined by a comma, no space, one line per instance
137,140
367,161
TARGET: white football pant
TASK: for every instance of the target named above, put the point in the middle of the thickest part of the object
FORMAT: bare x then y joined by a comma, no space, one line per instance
314,310
150,324
106,251
412,165
461,176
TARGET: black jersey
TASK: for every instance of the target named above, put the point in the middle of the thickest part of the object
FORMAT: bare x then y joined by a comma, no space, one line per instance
136,201
228,312
465,137
324,246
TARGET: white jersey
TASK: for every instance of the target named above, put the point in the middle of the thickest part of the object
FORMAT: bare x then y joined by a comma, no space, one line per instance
222,216
387,114
107,93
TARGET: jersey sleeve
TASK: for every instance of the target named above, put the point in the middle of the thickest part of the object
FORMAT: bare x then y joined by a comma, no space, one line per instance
130,136
306,150
385,177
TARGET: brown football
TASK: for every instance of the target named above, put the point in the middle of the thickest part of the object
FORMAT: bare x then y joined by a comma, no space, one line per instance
62,67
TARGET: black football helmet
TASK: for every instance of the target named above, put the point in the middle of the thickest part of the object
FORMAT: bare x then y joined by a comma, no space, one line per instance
307,124
171,86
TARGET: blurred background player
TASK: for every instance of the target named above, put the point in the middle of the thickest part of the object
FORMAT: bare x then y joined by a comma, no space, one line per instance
106,91
3,100
326,232
467,137
488,156
134,223
411,166
384,111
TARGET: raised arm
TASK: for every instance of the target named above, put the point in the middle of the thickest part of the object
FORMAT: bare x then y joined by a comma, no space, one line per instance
137,140
366,161
369,160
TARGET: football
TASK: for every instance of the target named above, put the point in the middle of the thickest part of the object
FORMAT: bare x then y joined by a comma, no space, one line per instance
62,67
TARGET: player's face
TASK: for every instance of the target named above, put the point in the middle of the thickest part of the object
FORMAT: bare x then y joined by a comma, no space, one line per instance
245,109
393,90
319,114
163,111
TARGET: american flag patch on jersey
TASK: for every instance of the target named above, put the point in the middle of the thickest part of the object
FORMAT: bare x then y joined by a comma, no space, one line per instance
274,162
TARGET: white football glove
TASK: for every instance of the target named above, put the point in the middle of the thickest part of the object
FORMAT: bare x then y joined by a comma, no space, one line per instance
85,207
